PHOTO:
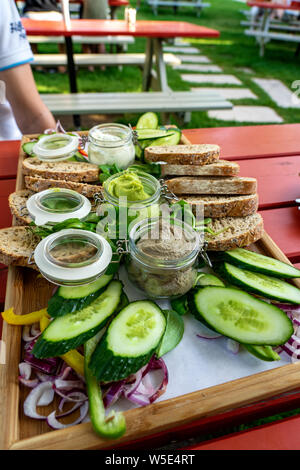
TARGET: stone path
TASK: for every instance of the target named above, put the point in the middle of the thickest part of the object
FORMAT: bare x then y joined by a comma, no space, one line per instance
230,93
210,78
279,93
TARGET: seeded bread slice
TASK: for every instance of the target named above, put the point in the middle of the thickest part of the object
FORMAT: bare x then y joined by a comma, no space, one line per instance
17,245
238,232
17,204
65,170
223,206
201,154
40,184
219,168
212,185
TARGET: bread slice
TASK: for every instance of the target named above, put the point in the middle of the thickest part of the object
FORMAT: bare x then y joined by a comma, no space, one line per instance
64,170
40,184
212,185
201,154
17,204
219,168
223,206
17,245
236,232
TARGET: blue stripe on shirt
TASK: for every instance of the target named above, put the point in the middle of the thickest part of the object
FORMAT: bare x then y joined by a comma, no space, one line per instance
16,64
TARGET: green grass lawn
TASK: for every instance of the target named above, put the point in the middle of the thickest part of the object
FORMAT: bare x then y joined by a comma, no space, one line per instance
232,51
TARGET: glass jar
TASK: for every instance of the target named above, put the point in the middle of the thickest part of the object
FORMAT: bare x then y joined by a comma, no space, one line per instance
73,257
166,268
56,205
111,144
56,147
126,212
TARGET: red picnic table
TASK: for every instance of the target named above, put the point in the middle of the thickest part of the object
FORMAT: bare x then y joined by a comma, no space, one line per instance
155,32
275,164
262,31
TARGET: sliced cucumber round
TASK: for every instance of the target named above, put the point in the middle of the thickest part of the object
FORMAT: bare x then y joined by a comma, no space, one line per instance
240,316
129,342
209,280
28,148
147,121
69,299
72,330
266,286
172,139
260,263
153,134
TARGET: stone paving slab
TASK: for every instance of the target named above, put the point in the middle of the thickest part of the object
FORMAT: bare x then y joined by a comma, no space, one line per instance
278,92
229,93
181,42
195,59
181,49
198,68
210,78
255,114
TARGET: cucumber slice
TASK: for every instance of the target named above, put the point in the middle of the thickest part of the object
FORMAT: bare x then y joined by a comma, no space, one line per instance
265,353
72,330
260,263
147,121
71,299
28,148
153,134
209,280
173,139
270,287
129,342
173,333
240,316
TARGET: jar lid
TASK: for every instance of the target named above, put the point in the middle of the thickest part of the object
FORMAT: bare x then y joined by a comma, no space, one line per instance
55,205
56,147
73,257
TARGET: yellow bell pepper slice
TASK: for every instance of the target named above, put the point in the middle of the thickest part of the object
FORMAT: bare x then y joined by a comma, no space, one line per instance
73,358
10,317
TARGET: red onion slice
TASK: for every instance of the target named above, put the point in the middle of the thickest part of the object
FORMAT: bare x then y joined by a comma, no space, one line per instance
33,398
232,346
53,422
25,370
46,398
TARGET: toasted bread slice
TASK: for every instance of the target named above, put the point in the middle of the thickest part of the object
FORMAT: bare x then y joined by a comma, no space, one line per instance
40,184
236,232
224,206
212,185
65,170
17,204
219,168
17,245
201,154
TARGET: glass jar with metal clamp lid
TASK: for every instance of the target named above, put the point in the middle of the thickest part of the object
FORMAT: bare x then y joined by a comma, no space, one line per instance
56,147
110,144
162,257
129,197
72,257
56,205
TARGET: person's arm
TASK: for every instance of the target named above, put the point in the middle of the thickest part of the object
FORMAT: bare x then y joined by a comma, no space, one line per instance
31,115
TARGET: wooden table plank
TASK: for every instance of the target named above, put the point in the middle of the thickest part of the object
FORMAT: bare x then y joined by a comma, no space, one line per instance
281,435
283,226
142,28
278,179
240,143
9,154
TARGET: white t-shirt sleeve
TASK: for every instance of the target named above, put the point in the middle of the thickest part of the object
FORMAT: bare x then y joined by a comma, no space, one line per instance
14,46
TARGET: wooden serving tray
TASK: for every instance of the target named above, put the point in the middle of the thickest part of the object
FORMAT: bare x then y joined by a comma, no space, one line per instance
28,291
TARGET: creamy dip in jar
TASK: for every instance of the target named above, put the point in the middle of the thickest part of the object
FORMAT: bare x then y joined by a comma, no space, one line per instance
111,144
